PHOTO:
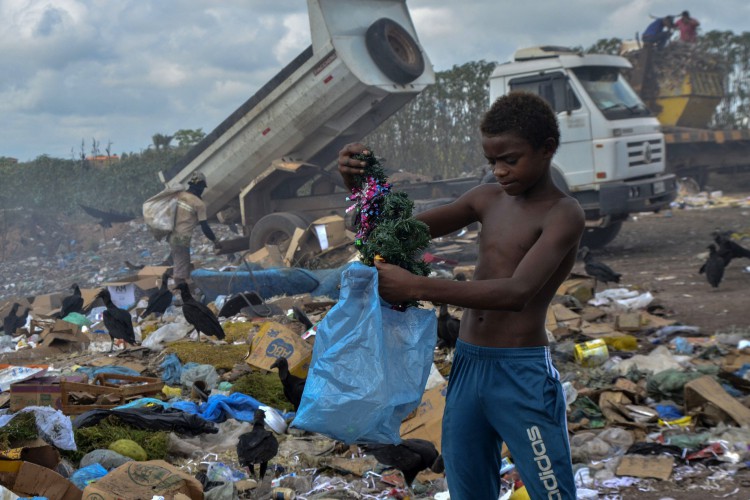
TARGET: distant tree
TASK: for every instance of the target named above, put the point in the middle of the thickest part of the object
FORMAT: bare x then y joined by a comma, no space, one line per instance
188,137
606,46
161,141
437,133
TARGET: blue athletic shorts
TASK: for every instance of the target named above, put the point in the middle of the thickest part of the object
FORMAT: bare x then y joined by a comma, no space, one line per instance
510,395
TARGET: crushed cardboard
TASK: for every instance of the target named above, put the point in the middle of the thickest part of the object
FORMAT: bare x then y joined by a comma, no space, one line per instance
275,340
36,480
153,478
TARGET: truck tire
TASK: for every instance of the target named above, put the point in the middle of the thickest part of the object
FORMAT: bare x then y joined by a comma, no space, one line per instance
394,51
599,237
276,229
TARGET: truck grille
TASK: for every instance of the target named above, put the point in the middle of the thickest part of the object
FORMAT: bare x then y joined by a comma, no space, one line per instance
645,152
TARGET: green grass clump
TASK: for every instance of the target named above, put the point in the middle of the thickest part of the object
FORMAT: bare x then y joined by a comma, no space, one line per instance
111,429
222,357
265,387
21,428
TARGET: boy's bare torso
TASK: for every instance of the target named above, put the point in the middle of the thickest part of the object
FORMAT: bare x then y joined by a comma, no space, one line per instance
510,227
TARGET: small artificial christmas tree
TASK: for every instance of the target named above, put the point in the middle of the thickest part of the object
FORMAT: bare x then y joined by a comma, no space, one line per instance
385,226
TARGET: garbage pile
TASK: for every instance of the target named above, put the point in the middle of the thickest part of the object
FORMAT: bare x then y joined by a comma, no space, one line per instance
653,405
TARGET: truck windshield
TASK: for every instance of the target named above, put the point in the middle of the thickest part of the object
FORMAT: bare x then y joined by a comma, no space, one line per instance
610,92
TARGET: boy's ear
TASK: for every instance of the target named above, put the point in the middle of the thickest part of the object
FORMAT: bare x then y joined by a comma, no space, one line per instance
549,147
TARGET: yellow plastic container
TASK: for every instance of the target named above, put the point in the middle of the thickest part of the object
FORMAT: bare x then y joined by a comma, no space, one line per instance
591,353
520,494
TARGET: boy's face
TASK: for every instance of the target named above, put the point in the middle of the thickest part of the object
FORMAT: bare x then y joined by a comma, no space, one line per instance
516,165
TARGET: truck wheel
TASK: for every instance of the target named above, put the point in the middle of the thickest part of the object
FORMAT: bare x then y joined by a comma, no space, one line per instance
394,51
599,237
276,229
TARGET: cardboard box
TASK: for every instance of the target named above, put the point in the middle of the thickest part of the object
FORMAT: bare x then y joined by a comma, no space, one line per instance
36,451
42,391
273,341
123,291
330,231
154,478
46,305
427,422
64,336
35,480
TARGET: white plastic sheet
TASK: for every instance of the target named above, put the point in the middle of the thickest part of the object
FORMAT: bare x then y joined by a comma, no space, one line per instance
167,333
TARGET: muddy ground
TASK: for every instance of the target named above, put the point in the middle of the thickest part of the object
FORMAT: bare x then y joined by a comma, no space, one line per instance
661,253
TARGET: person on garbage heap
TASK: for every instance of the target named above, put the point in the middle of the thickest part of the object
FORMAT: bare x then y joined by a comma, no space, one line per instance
688,27
191,211
659,31
503,386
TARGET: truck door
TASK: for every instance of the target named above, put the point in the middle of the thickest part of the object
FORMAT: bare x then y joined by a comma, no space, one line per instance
575,157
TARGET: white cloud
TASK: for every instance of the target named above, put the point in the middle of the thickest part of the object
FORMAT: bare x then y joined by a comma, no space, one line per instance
124,70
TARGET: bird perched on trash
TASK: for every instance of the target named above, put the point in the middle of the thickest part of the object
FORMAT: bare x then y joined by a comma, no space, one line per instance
411,456
293,385
160,299
11,322
713,267
199,315
72,303
118,322
104,218
257,446
728,249
598,270
447,327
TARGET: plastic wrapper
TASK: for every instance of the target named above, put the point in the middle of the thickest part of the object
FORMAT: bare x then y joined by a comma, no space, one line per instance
167,333
370,364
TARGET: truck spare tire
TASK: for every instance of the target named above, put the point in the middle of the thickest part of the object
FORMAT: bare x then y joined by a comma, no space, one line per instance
394,51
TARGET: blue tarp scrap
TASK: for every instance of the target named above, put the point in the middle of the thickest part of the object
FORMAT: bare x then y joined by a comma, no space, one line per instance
171,370
268,282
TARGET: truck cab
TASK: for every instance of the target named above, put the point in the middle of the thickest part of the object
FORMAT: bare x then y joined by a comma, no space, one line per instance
612,155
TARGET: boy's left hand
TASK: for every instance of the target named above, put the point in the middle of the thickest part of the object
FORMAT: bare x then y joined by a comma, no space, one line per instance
394,283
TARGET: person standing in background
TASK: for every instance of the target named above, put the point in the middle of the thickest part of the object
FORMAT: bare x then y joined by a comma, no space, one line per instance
688,27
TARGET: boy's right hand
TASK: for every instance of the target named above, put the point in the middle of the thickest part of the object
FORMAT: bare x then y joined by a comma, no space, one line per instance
349,167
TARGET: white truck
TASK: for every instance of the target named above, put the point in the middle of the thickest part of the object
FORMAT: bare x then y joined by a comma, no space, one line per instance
271,164
612,155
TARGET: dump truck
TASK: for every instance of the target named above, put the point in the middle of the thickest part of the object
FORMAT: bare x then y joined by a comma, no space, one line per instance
271,165
682,87
612,152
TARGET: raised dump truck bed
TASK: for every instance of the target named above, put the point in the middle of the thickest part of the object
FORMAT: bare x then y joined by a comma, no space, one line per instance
364,64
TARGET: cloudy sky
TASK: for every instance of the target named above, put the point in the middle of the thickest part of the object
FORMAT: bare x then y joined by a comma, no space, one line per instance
120,71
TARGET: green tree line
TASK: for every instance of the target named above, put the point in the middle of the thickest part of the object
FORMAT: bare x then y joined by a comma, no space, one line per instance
435,135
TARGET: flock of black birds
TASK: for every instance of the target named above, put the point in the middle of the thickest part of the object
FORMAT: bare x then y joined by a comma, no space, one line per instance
720,253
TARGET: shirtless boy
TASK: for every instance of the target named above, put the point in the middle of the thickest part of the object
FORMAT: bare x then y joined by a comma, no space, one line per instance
503,386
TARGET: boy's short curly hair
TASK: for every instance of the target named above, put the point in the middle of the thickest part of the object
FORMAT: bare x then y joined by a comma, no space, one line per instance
525,114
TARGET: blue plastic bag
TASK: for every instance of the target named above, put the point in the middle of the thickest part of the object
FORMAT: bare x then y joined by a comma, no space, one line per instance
369,366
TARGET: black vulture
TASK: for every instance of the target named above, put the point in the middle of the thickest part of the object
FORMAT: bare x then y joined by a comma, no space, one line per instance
257,446
713,267
72,303
411,456
118,322
160,299
11,322
598,270
199,315
447,327
728,249
293,386
106,219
